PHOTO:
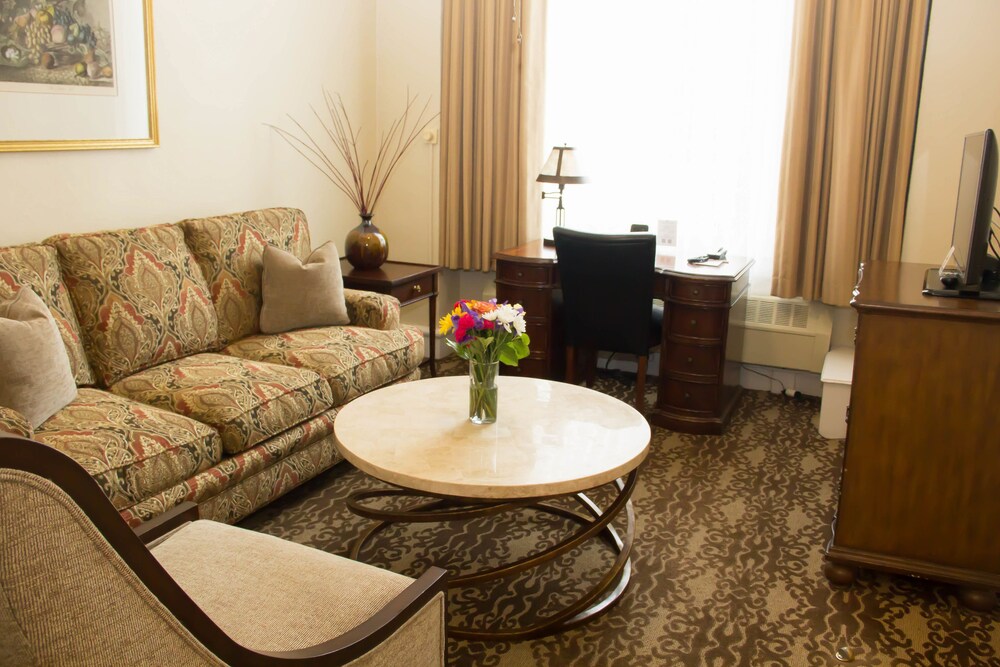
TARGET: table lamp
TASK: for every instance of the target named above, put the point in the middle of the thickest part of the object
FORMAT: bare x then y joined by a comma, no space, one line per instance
560,168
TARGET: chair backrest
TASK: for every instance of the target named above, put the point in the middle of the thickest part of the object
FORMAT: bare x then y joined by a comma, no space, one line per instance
67,595
607,284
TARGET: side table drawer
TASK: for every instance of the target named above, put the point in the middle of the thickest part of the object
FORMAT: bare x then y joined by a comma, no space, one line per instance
697,323
690,396
414,290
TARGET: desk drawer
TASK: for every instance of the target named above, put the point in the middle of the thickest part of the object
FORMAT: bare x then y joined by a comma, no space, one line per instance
411,291
693,359
687,290
697,323
690,396
524,274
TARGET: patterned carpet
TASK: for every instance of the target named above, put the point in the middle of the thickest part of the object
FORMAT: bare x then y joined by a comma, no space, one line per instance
727,560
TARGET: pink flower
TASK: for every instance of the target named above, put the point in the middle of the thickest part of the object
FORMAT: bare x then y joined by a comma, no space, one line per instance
465,323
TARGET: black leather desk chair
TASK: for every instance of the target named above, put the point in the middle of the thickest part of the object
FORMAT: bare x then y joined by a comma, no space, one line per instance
607,285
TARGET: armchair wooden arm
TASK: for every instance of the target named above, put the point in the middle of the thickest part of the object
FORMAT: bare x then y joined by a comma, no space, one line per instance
37,459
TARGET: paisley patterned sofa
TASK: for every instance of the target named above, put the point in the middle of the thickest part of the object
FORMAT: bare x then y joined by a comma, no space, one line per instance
180,397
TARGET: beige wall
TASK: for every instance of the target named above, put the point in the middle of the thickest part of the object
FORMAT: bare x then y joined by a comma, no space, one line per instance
960,95
222,70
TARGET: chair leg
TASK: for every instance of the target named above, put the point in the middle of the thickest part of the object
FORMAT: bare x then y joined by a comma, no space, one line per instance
640,385
570,364
591,366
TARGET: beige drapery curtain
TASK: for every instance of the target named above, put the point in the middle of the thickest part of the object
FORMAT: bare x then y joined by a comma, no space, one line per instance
852,110
491,119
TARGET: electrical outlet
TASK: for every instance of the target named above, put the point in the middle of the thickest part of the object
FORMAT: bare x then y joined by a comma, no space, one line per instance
666,233
431,136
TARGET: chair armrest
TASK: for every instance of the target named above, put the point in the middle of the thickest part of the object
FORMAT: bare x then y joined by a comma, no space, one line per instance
372,310
160,525
365,637
12,421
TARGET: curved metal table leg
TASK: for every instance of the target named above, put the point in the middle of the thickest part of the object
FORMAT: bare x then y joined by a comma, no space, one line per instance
595,524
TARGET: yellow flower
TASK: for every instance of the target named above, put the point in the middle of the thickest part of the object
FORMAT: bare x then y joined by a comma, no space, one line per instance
444,324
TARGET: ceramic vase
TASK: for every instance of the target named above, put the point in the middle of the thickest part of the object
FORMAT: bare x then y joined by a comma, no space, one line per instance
483,392
366,247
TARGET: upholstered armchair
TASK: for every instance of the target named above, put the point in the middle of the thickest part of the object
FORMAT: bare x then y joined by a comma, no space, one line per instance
78,586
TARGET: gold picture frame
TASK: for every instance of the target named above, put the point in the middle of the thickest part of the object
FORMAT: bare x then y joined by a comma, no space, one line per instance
113,105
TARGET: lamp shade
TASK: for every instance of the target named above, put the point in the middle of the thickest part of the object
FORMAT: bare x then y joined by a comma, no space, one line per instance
561,168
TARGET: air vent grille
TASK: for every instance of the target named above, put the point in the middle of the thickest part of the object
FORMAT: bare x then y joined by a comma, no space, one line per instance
778,312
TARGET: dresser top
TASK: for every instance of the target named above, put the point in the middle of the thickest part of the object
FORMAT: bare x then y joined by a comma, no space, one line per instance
896,286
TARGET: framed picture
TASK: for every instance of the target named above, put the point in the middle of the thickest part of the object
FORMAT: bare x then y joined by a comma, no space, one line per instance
76,75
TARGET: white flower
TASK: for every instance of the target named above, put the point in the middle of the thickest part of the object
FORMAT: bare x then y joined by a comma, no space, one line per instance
518,323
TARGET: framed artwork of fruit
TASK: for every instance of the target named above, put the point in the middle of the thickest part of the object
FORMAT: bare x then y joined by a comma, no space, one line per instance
76,74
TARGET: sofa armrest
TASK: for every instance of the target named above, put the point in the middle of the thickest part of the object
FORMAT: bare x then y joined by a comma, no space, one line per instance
173,518
372,310
12,421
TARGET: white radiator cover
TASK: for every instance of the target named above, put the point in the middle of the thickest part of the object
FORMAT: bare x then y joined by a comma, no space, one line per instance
785,333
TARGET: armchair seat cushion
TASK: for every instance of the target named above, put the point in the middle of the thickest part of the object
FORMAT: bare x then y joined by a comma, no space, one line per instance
284,596
132,450
245,401
353,360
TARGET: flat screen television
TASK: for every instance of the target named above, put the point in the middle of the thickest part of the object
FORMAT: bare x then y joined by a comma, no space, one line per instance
975,273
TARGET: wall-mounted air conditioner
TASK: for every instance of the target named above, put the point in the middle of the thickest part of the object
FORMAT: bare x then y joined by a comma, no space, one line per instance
786,333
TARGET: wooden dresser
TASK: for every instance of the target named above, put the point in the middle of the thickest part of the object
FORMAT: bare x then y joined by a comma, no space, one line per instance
920,487
698,380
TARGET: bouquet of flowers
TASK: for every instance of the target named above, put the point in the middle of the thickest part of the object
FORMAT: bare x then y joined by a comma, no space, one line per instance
486,333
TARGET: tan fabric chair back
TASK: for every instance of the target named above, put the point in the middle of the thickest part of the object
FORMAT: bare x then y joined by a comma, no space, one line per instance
67,598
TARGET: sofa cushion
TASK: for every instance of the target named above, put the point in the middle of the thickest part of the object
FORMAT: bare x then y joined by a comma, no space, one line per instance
298,294
241,483
132,450
35,376
12,421
38,267
245,401
140,296
371,309
230,249
353,360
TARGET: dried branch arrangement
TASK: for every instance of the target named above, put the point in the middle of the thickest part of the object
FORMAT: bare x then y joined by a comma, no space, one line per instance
362,182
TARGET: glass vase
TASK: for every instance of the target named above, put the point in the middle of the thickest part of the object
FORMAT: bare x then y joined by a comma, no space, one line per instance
366,247
483,392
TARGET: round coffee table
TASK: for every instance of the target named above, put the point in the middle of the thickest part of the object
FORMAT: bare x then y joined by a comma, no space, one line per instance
550,440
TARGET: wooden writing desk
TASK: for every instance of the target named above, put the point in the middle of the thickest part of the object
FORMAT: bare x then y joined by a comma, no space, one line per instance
698,377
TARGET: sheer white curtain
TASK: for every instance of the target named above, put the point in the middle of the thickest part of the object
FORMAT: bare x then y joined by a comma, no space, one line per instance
676,109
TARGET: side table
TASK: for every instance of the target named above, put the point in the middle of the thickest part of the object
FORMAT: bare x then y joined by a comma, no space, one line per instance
407,282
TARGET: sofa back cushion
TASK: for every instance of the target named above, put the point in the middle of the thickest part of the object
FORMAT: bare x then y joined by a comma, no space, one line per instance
140,297
230,251
37,266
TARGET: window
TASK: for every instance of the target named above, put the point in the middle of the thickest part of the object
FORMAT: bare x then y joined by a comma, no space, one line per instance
677,110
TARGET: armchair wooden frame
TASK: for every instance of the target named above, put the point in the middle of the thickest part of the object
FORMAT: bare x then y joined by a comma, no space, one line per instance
41,460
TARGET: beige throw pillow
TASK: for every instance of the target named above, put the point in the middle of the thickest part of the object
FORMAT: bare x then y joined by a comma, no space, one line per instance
35,375
297,295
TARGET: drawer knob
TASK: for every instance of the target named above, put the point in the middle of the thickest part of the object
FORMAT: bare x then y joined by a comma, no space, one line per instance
417,289
694,323
696,291
520,274
687,396
690,360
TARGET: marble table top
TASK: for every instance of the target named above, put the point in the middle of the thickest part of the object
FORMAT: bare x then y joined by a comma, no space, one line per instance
550,438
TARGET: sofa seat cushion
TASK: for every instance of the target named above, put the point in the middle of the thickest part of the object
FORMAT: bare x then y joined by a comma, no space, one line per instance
140,297
288,596
353,360
132,450
245,401
250,470
230,250
37,266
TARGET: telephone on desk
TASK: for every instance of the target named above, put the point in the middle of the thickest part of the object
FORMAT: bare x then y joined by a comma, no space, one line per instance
712,259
